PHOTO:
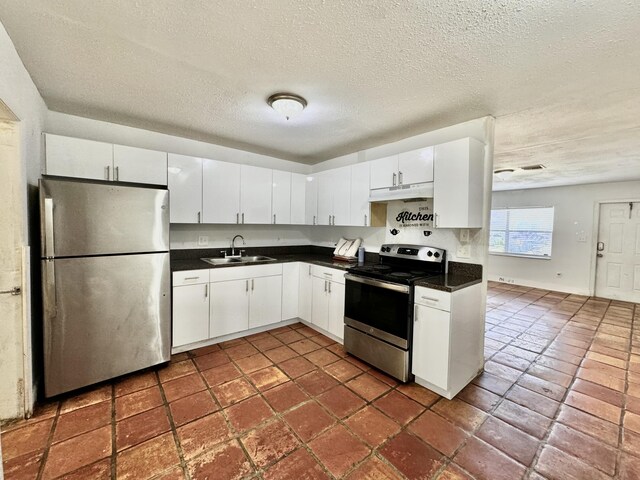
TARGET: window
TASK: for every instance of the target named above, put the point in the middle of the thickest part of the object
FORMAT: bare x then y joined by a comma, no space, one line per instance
521,231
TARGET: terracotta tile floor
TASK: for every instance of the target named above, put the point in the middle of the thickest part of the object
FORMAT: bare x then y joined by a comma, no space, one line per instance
559,399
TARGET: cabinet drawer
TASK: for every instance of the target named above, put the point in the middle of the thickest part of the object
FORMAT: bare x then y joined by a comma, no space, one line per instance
433,298
190,277
326,273
246,271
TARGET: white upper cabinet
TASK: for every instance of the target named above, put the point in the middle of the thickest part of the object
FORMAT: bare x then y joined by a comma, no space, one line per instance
185,188
415,166
76,157
298,198
334,196
281,197
311,200
255,194
360,211
458,186
384,172
220,192
139,165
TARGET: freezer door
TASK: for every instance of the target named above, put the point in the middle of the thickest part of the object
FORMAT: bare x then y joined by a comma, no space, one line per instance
104,317
91,218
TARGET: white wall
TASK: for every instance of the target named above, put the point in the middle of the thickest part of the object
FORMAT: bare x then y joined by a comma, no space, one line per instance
575,211
19,94
219,236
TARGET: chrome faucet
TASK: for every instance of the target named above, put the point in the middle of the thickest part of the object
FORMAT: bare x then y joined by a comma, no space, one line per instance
233,245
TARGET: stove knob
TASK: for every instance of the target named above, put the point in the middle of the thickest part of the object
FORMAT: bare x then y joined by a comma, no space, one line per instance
437,254
429,253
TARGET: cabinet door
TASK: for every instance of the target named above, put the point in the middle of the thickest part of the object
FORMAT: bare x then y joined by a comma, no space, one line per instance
325,198
360,195
190,314
311,200
139,165
336,309
265,305
298,200
305,292
458,185
415,166
229,307
221,192
185,188
290,288
384,172
281,197
341,195
320,303
76,157
255,194
431,345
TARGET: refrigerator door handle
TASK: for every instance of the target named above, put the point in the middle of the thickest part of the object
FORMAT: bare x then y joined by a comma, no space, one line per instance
49,244
50,296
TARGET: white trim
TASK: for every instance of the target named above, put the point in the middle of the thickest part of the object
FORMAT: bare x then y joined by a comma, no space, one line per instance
27,341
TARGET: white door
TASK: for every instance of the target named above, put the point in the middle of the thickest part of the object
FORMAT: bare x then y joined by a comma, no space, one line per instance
325,198
384,172
298,200
618,261
311,200
15,359
76,157
360,195
220,192
415,166
255,194
281,197
265,306
185,188
336,309
430,356
290,287
320,303
305,292
341,193
190,314
229,307
139,165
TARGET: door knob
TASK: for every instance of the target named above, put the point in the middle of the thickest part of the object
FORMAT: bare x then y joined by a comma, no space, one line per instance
599,255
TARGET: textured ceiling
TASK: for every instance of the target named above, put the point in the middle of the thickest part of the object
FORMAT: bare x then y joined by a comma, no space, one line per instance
372,72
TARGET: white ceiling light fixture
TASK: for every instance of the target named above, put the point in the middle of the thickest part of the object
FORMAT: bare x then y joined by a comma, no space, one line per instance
287,104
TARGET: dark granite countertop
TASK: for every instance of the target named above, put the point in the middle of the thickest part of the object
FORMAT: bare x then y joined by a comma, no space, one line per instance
448,282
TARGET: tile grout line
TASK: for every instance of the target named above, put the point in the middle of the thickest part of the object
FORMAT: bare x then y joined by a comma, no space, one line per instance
114,450
45,454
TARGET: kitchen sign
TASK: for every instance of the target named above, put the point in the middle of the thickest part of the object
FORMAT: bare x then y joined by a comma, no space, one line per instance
409,222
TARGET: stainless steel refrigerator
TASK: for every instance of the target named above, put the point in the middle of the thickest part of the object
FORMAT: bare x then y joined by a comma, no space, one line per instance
105,280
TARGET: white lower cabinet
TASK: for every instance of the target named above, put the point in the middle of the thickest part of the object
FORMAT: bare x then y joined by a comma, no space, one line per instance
229,311
265,301
320,303
305,292
190,307
290,290
327,311
336,309
448,337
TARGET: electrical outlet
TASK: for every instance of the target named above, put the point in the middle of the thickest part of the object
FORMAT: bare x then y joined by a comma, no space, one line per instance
464,251
464,235
203,240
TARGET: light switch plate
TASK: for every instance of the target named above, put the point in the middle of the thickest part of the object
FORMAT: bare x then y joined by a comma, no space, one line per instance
203,240
464,235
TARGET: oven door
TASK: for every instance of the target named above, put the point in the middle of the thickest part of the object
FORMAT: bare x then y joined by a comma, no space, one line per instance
378,308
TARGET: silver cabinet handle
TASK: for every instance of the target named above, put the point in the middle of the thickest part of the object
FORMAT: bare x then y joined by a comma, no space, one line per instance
329,219
206,290
107,169
274,218
116,173
246,289
435,220
252,284
333,220
243,217
191,278
49,243
237,217
394,179
50,294
199,217
328,274
429,299
365,219
399,178
325,285
329,286
314,219
415,313
309,270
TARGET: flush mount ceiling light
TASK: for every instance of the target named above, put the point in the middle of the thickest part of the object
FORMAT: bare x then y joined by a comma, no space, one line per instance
287,104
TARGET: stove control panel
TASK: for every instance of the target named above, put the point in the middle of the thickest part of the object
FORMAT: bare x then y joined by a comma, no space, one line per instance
413,252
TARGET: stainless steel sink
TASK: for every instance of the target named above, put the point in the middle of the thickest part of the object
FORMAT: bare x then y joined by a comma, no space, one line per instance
238,260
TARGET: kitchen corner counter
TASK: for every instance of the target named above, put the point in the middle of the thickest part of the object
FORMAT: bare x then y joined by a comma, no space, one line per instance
448,282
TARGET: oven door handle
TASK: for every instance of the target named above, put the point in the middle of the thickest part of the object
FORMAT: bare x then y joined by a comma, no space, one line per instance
377,283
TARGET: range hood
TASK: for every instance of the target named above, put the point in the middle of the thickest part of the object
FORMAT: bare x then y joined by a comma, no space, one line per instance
402,192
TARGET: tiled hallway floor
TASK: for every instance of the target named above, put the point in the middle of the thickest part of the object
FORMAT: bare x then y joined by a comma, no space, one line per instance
559,399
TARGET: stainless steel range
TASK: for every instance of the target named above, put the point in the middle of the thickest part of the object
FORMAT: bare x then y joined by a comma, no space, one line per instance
378,312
